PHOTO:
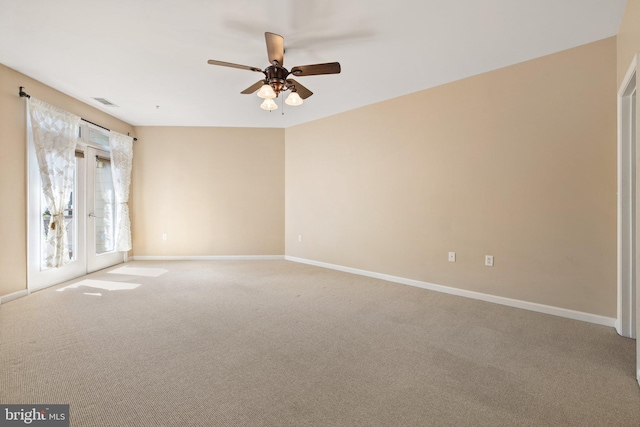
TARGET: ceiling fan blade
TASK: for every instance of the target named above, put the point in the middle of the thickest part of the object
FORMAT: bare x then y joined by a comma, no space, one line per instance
302,91
254,87
275,48
229,64
316,69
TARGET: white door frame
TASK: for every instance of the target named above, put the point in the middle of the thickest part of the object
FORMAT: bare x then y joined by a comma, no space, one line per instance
628,323
626,172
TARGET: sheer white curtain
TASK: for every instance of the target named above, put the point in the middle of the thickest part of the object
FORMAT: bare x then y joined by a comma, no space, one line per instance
54,133
121,161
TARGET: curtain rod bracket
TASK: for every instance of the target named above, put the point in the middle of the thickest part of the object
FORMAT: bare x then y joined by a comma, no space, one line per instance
23,94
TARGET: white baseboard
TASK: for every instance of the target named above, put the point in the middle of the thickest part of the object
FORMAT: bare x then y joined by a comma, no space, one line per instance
15,295
532,306
205,257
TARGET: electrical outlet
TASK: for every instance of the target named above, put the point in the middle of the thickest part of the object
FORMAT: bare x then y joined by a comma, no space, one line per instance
488,260
452,257
299,237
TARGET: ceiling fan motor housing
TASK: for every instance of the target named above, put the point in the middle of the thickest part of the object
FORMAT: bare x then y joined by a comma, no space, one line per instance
276,77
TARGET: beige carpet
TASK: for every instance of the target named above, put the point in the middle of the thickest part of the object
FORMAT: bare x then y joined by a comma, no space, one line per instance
274,343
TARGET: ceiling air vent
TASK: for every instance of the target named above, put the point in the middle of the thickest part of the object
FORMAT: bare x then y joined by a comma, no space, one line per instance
105,102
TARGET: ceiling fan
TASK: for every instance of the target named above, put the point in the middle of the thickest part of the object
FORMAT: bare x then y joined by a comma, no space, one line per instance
276,76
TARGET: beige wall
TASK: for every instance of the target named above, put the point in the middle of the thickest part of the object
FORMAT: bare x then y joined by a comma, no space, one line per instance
13,251
628,37
518,163
214,191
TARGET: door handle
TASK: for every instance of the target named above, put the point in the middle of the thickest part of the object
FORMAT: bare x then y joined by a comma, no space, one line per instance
91,215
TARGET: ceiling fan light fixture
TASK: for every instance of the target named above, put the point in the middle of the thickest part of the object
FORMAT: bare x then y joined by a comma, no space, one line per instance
269,104
293,99
266,92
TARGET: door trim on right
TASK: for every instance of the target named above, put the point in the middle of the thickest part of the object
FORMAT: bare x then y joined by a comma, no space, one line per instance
627,162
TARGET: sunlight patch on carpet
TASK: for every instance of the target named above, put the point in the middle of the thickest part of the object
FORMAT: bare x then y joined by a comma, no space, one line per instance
139,271
102,284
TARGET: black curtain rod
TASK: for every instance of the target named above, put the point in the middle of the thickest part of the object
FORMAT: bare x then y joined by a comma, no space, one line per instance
24,94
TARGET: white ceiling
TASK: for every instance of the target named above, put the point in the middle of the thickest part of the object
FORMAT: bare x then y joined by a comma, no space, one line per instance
140,54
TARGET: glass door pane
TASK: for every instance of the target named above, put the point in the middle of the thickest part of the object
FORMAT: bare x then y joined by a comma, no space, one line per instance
70,222
104,207
101,208
39,275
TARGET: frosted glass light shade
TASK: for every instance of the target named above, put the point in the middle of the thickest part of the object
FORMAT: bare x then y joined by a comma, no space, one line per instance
269,104
266,92
293,99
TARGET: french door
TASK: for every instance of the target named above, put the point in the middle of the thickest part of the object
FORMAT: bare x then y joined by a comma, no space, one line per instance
101,212
89,214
